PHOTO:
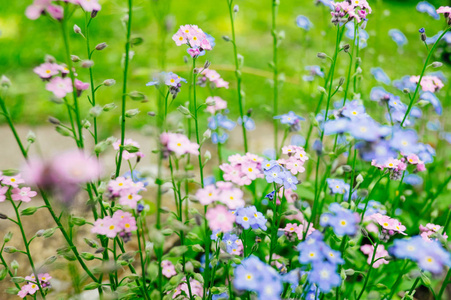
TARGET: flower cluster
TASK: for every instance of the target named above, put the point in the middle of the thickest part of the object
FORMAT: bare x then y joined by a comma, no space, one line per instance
343,221
11,184
431,231
378,257
212,76
324,261
249,217
233,244
122,223
32,284
290,119
389,226
428,83
197,40
223,192
195,288
242,169
218,121
178,144
256,276
293,230
126,190
446,11
350,10
313,71
429,255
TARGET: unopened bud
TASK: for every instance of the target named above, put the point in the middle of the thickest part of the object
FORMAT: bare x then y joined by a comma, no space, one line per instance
437,64
226,38
94,13
359,178
77,29
74,58
236,8
207,155
54,121
207,64
5,82
87,64
3,216
151,113
207,134
423,37
101,46
346,48
183,110
342,81
406,91
109,82
132,112
321,55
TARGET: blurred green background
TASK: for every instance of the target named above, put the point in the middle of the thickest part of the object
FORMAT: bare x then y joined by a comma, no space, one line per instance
24,44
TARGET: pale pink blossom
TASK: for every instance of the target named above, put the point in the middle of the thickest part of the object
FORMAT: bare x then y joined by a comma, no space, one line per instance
46,70
89,5
168,269
380,252
59,86
3,191
219,218
23,194
13,181
219,104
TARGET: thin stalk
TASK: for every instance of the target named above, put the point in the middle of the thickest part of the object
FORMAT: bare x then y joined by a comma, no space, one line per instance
74,90
237,74
398,280
6,266
124,86
27,247
13,129
196,122
367,277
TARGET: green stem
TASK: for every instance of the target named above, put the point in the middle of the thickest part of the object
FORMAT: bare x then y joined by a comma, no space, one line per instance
398,280
237,74
196,122
27,247
74,90
124,85
367,277
13,129
6,266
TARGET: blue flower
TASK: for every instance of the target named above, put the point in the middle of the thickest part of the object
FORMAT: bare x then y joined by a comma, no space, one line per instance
293,278
325,276
380,75
433,39
254,275
343,221
297,140
337,186
363,35
428,96
398,37
220,296
219,139
430,255
426,7
275,174
269,164
290,118
378,93
304,22
249,217
354,110
137,177
313,71
413,179
222,121
365,129
372,208
327,3
249,124
270,196
404,83
230,242
337,126
215,235
405,141
425,152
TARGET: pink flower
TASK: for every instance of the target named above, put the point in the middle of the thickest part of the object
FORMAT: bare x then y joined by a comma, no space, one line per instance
428,83
75,167
219,218
125,221
388,224
179,144
129,198
380,252
3,191
219,104
221,83
116,186
193,52
89,5
126,154
24,194
168,269
242,170
430,230
421,167
12,181
23,291
294,166
207,195
59,86
444,10
46,70
39,7
413,159
80,85
232,198
100,226
56,12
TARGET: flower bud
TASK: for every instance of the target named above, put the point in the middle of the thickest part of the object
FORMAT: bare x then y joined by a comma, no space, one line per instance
14,265
151,114
54,121
132,112
77,29
346,48
101,46
74,58
423,37
321,55
236,8
342,81
109,82
109,106
94,13
359,178
49,59
87,64
207,155
5,82
183,110
207,64
86,124
437,64
207,134
8,236
3,216
226,38
95,111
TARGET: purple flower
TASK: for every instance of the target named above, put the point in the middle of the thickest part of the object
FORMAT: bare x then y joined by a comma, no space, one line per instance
354,110
290,181
379,151
379,93
343,221
275,174
398,37
304,23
